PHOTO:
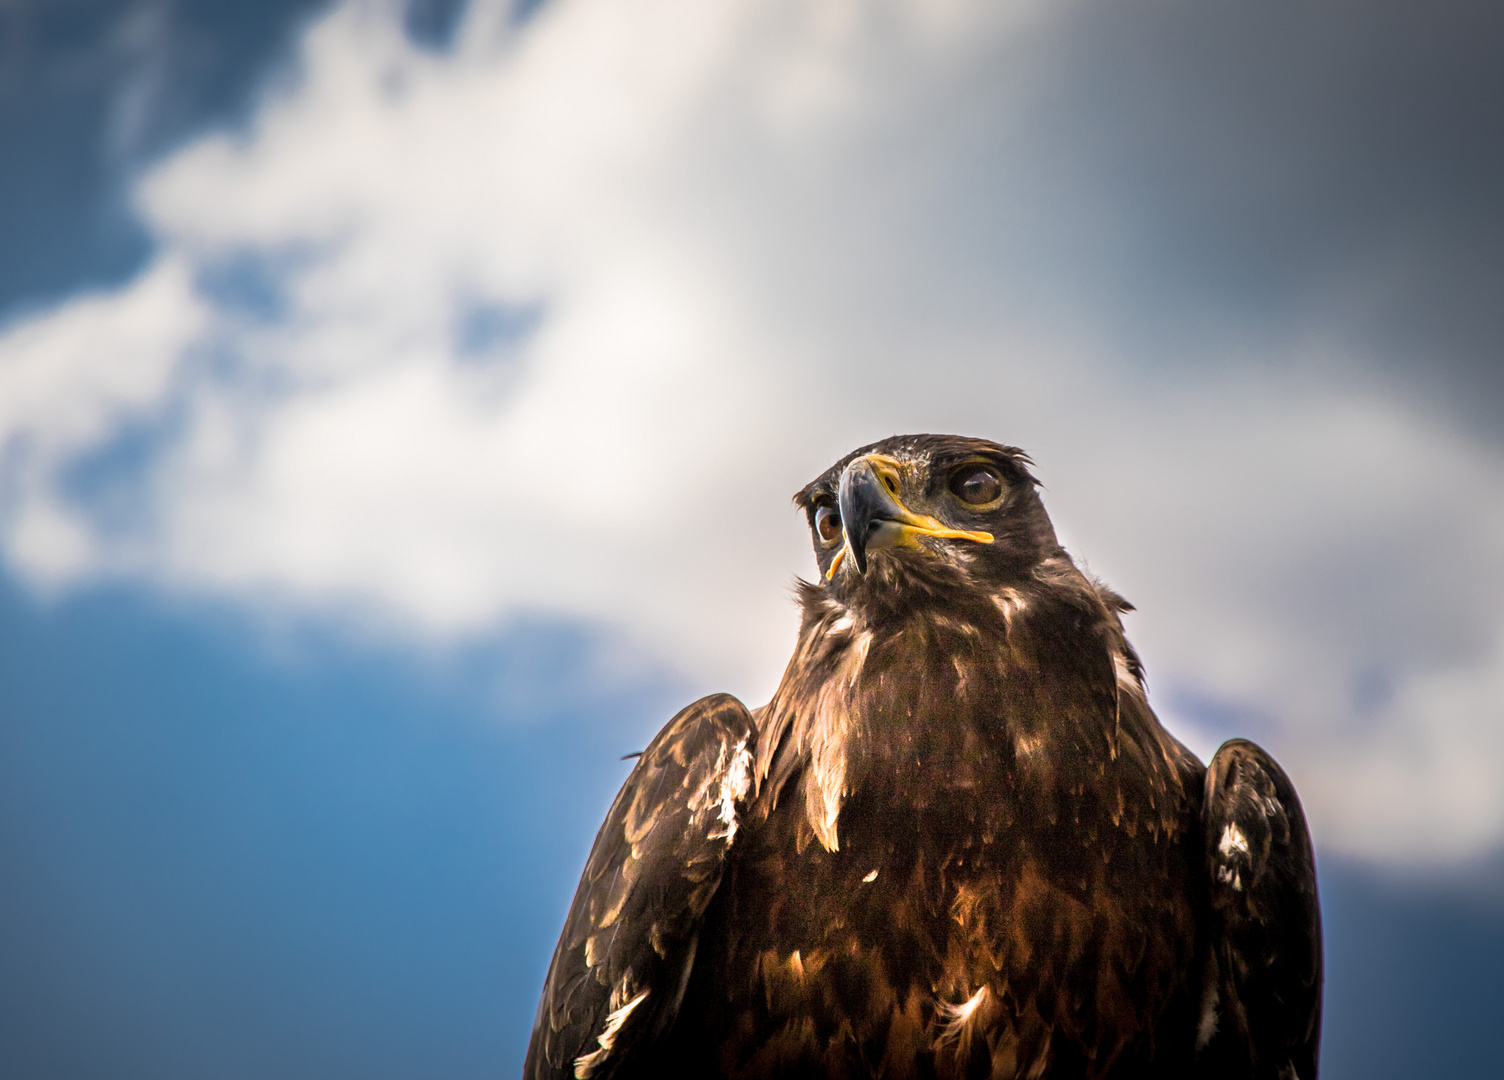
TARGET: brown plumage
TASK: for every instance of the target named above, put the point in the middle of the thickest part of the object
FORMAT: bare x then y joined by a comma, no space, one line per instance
955,843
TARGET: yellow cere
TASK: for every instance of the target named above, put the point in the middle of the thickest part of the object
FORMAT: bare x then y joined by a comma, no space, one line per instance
890,471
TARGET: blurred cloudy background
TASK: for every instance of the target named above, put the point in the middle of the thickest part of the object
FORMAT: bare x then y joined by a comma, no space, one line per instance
400,402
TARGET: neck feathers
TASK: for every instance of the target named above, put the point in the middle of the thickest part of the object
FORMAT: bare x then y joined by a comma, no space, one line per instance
808,725
857,692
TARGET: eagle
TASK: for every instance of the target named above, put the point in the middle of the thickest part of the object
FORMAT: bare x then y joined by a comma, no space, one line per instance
956,842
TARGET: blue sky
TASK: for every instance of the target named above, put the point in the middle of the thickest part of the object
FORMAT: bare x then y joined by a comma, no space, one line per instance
372,377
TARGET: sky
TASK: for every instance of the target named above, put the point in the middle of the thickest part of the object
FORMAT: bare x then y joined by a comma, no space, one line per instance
400,405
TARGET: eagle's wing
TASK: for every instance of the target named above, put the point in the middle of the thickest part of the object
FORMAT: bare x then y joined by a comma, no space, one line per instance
622,963
1262,1009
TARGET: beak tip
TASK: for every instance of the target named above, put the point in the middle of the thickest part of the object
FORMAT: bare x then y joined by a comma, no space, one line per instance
857,553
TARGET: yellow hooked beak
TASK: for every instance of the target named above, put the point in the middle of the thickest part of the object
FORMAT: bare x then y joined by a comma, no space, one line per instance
872,517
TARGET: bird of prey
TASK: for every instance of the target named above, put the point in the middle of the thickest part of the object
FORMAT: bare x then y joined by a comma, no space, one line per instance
955,843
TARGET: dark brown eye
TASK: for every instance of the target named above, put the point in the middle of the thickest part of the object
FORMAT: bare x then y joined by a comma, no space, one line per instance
828,524
976,485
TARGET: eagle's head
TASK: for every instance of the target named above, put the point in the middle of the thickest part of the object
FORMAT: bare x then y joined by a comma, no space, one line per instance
917,516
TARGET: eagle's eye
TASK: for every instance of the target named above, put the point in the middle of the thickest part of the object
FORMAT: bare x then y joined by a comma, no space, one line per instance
828,524
976,485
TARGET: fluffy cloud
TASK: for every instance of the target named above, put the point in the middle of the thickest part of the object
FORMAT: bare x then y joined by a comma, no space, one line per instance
555,321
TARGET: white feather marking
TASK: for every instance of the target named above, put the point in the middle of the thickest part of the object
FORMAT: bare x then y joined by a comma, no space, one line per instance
870,878
829,786
1025,745
735,781
825,782
1010,602
1232,840
586,1064
795,964
956,1017
1208,1025
1125,676
858,657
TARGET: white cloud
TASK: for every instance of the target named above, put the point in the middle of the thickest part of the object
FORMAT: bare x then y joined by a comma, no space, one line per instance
709,248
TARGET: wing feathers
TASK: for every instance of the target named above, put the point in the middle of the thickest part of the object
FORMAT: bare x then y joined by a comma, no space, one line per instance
1261,1013
623,960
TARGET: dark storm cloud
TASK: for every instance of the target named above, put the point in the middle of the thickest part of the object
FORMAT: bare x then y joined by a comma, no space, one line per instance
1331,168
1336,161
